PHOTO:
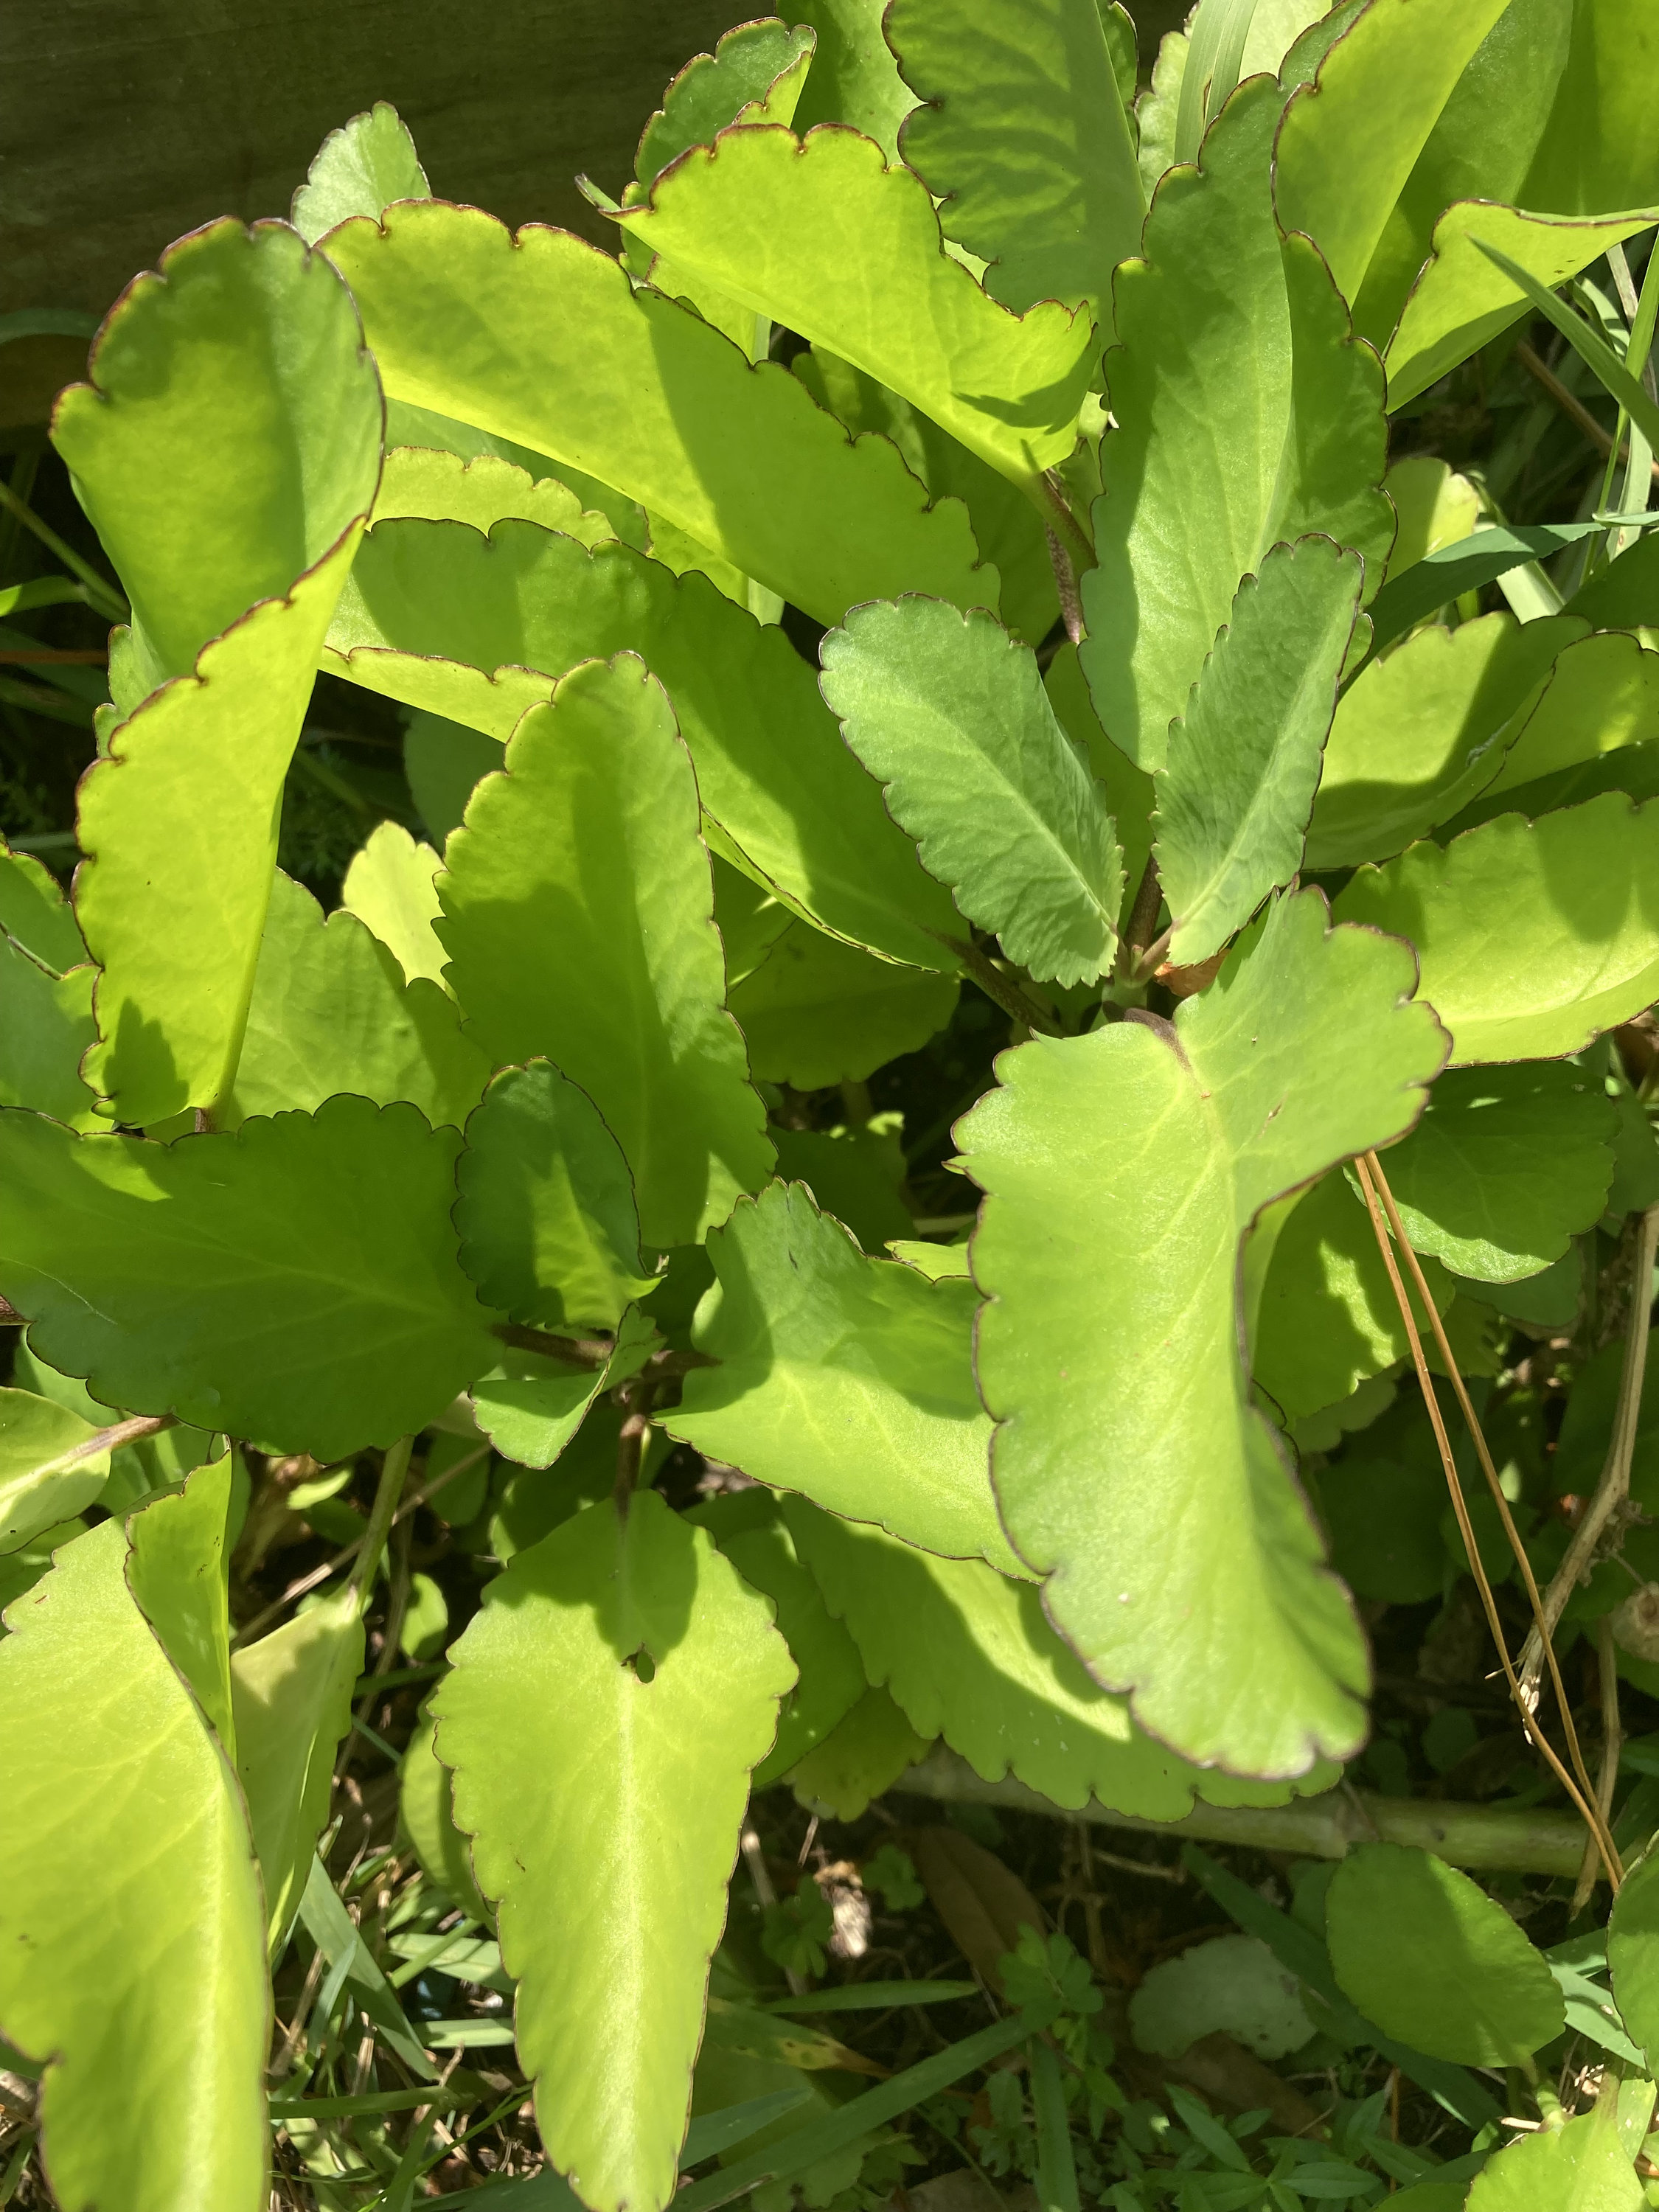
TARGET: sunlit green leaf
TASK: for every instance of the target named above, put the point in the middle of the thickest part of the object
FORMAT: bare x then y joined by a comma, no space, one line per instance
969,1656
52,1463
424,1807
542,340
628,1649
1602,695
295,1282
950,716
550,1231
853,1173
1246,414
153,2011
1023,135
330,1011
1507,1166
360,169
444,619
1413,738
419,483
845,1378
1423,1951
854,78
577,915
768,217
753,1534
1243,762
1584,2166
390,888
291,1695
1121,1168
34,914
1532,937
46,1029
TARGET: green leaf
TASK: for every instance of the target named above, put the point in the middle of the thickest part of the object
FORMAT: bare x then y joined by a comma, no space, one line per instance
755,1536
1413,740
950,715
542,339
1023,136
179,823
631,1649
46,1028
331,1013
854,1173
35,915
1423,1951
531,1406
442,619
548,1229
1007,528
389,887
179,1577
229,438
1505,1169
1532,937
737,82
1584,2166
1491,550
410,426
424,1808
1130,791
1350,139
845,1378
295,1282
417,483
816,1010
1233,1984
291,1695
860,1759
968,1655
854,78
1246,414
768,217
578,918
153,2012
360,169
52,1463
1329,1318
1121,1168
1633,1955
1243,762
1586,341
1602,695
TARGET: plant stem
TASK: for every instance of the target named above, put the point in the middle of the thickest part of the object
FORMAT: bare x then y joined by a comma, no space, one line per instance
1570,403
1612,1742
1004,991
394,1469
1071,606
104,597
1325,1827
637,1398
1613,1487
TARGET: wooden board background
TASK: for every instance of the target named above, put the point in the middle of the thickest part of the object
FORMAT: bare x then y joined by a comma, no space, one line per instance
126,123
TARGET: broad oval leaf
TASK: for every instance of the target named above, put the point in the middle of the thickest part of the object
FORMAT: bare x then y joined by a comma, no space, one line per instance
741,79
1505,1169
770,219
295,1282
228,438
816,1010
541,339
548,1228
577,914
949,715
359,169
966,1654
1121,1168
845,1378
392,888
1584,2166
152,2011
630,1650
1423,1951
1532,937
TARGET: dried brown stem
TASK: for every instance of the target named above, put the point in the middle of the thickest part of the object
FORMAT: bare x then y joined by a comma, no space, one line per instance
1582,1800
1004,991
1613,1488
1570,403
1071,606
